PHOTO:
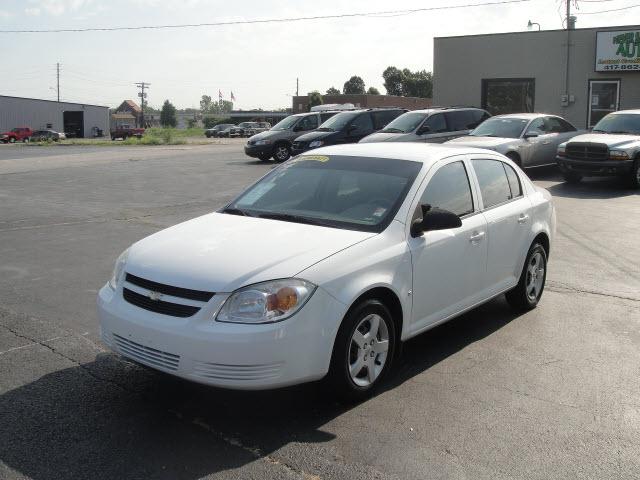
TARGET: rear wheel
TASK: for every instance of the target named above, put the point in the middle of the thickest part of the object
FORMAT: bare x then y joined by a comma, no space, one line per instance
12,140
282,152
363,351
572,177
634,179
526,295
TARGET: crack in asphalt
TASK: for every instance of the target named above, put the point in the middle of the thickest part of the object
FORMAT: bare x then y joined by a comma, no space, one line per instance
560,287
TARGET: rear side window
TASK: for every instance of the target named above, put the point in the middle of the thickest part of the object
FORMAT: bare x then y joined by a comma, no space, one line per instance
461,120
383,117
449,189
558,125
478,116
493,182
436,124
514,181
326,116
363,123
309,122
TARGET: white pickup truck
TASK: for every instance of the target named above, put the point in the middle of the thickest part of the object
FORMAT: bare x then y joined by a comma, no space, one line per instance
611,149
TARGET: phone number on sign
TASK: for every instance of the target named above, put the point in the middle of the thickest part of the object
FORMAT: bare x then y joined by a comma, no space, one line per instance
621,67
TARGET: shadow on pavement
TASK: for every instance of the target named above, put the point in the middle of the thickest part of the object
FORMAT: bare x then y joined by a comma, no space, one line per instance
111,419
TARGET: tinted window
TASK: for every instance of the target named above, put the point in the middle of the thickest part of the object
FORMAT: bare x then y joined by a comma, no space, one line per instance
460,120
384,117
508,96
363,123
493,182
558,125
326,116
436,124
405,123
537,126
308,123
479,116
514,181
449,189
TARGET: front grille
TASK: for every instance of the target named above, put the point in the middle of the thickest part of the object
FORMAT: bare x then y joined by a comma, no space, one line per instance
158,306
587,151
198,295
146,355
299,145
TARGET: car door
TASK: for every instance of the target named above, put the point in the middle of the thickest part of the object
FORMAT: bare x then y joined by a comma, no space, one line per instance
434,129
541,147
358,128
448,265
507,212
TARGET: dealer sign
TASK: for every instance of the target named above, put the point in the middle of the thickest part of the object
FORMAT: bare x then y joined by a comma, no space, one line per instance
618,51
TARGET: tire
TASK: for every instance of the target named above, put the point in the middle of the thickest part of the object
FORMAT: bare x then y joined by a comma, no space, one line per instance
572,177
12,140
526,295
281,152
26,140
634,179
350,376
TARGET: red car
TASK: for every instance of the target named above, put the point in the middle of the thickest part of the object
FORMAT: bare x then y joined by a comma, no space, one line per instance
19,134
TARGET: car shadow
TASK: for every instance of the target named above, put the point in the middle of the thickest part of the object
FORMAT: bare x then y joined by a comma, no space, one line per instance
588,188
112,419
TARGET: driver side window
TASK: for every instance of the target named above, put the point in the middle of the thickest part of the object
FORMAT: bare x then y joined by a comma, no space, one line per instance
449,189
537,126
436,124
308,123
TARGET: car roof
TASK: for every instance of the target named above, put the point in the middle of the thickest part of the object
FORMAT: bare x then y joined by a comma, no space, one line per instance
427,153
528,116
633,112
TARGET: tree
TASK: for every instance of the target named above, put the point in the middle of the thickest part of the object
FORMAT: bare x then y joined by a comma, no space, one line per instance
393,80
206,104
168,115
333,91
373,91
354,86
315,99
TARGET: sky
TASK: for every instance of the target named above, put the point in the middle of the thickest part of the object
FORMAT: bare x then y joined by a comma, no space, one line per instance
259,63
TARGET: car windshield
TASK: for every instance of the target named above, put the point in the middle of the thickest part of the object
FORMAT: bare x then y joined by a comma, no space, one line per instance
338,122
287,123
502,127
405,123
619,123
352,193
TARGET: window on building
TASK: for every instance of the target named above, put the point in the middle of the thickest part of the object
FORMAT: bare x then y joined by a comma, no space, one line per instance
500,96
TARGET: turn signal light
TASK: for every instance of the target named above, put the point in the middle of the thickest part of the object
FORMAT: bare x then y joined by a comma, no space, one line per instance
283,300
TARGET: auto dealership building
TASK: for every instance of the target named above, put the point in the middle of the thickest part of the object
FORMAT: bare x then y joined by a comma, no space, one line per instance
75,119
536,72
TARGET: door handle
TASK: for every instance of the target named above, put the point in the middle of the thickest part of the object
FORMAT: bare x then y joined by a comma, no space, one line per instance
476,237
523,218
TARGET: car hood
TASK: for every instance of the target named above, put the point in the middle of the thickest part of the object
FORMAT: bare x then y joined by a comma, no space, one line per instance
315,135
609,139
484,142
221,252
270,134
388,137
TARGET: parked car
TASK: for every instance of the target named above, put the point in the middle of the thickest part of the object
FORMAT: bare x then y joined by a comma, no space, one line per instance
48,134
215,131
346,127
19,134
126,131
242,129
367,246
529,139
226,132
276,142
258,128
611,149
433,125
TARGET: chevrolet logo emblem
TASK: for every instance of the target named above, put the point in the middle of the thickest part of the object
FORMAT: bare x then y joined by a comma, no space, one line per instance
155,296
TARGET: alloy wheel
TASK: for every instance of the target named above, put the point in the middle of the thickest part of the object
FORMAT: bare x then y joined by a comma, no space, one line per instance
368,350
535,275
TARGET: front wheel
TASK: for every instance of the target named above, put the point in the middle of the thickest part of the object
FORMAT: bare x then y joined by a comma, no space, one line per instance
526,295
282,153
363,351
572,177
634,180
12,140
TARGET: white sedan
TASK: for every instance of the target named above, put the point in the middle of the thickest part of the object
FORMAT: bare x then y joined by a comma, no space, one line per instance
327,263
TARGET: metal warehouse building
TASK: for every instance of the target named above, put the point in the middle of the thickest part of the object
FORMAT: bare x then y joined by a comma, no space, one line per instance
77,119
580,74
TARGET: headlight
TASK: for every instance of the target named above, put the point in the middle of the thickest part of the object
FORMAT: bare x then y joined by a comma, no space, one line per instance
316,143
618,155
263,142
266,302
118,269
561,151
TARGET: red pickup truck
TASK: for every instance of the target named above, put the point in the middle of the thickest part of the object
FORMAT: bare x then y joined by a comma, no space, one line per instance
19,134
125,132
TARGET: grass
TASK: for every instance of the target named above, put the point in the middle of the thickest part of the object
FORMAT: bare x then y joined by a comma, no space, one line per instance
152,136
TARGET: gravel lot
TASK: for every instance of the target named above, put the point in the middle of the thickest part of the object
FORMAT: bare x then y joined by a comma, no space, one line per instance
554,393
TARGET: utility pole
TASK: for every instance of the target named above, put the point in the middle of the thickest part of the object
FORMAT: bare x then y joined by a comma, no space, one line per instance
58,80
566,76
297,86
142,95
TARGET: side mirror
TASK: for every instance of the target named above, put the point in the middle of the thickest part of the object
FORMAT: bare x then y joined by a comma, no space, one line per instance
297,128
352,128
424,129
434,219
531,135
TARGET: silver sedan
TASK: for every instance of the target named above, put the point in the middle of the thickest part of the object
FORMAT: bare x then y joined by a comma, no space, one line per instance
529,139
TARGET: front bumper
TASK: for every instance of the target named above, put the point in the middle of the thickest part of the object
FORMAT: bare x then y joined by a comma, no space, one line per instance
257,151
228,355
595,168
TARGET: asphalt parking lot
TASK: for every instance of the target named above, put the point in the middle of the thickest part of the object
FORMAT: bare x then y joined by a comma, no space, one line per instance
554,393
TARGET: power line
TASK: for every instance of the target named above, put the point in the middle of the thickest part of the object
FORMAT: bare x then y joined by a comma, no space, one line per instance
611,10
270,20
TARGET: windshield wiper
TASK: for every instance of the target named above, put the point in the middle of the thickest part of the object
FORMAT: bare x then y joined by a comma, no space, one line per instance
620,131
236,211
324,129
598,130
288,217
392,130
